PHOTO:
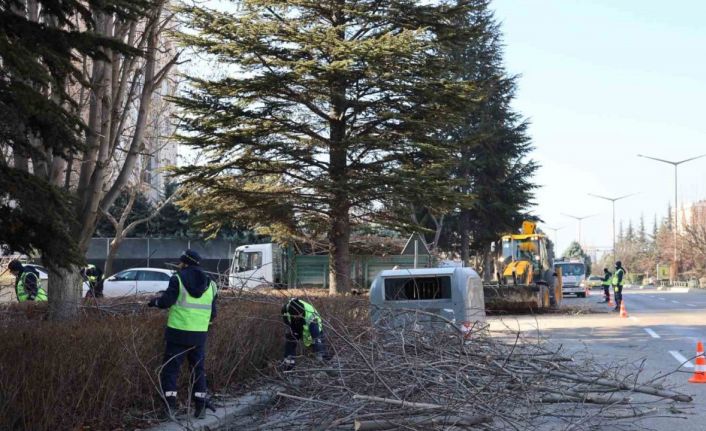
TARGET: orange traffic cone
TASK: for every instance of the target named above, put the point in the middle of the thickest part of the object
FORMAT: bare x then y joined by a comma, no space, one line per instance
700,366
623,311
587,290
610,302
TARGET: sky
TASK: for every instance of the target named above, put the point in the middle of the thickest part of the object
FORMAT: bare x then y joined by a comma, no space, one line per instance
600,82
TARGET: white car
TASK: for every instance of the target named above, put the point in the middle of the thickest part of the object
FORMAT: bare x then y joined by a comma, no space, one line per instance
137,281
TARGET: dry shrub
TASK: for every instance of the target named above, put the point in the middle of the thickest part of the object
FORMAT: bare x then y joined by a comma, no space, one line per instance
101,371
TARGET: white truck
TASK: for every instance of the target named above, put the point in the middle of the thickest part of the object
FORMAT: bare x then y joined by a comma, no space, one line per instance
271,265
257,265
573,276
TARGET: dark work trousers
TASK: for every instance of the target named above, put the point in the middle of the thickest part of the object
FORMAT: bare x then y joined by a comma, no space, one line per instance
291,339
618,295
174,356
606,293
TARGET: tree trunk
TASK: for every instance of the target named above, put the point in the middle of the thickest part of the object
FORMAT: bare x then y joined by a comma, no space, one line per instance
65,289
340,228
464,227
339,252
112,252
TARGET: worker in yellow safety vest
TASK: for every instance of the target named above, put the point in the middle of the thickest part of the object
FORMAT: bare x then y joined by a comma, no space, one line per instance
606,283
27,286
303,324
191,300
617,282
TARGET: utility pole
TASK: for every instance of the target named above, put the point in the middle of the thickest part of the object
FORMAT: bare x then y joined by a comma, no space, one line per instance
676,207
579,219
613,200
556,235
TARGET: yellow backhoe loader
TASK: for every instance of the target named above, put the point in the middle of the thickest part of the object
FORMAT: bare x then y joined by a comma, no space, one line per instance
525,279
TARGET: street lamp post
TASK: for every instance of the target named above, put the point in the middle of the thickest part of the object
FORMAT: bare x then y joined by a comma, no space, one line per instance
579,219
556,235
613,200
676,207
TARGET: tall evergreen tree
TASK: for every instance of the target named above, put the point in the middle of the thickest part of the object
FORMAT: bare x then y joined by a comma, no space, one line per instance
488,149
324,108
641,233
630,233
40,44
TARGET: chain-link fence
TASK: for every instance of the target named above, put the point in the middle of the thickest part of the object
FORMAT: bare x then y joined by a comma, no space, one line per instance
216,255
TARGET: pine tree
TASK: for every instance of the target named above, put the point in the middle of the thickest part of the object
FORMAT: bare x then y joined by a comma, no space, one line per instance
38,46
630,233
328,113
488,149
642,233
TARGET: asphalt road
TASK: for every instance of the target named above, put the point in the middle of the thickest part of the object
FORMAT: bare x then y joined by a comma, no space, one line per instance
659,336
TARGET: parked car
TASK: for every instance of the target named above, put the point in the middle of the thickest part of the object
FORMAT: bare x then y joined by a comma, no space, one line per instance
136,281
594,281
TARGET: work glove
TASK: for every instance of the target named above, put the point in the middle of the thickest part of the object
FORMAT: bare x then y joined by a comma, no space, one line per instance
153,302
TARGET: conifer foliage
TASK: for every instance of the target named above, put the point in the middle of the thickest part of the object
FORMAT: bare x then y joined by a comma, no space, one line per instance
319,113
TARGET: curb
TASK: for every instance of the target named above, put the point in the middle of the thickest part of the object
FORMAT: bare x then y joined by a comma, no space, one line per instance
676,289
240,406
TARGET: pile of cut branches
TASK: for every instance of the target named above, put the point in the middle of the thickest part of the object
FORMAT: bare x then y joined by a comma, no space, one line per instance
404,376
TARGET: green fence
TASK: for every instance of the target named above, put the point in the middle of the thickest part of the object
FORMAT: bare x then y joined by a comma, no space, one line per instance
312,270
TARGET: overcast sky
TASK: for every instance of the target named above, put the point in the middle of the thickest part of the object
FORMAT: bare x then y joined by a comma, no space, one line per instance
604,80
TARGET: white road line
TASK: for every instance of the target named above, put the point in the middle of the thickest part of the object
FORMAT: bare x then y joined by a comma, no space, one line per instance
634,318
675,302
682,360
662,299
690,305
652,333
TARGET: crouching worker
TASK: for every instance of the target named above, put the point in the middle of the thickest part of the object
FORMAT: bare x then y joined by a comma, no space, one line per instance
303,323
191,300
27,285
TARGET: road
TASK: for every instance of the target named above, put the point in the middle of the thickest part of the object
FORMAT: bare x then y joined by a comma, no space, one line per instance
660,335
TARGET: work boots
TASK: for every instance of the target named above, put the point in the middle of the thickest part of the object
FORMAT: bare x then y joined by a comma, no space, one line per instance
170,409
200,406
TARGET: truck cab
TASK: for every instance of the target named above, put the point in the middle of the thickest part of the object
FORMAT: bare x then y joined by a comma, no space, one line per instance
256,265
573,274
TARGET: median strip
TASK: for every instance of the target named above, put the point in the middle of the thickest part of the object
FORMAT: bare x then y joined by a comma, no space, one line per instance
682,360
652,333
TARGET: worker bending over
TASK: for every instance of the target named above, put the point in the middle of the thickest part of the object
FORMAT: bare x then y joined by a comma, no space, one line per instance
303,324
27,286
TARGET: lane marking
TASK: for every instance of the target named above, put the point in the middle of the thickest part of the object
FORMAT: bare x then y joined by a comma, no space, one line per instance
675,302
652,333
691,305
681,359
662,299
634,318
